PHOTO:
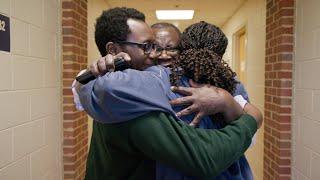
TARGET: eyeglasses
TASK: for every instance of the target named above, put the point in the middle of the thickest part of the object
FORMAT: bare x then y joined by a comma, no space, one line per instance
146,47
170,51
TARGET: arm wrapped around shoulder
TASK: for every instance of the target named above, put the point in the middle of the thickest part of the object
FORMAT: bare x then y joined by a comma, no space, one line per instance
124,95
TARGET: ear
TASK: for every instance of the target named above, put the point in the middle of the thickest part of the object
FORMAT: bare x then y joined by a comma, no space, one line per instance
111,48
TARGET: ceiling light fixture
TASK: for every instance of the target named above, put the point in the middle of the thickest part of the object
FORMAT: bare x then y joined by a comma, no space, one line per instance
174,14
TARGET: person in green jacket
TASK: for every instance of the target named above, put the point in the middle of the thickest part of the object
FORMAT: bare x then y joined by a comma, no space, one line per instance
127,149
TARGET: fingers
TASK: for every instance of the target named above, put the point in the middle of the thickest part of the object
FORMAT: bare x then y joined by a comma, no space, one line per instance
94,69
197,85
109,62
194,84
105,64
123,55
182,101
187,111
196,120
102,66
182,90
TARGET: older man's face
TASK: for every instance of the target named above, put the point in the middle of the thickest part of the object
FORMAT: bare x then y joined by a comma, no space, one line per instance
168,39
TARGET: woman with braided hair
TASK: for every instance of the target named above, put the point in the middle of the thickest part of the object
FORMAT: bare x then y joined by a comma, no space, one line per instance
202,47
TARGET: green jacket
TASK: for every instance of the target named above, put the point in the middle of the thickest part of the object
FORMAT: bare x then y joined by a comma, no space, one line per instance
127,150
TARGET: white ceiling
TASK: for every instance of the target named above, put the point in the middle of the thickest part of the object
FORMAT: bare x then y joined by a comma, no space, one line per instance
214,11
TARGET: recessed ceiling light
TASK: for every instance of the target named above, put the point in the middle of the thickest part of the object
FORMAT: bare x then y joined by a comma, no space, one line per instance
174,14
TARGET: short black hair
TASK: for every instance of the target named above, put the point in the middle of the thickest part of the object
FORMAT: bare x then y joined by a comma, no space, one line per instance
112,26
204,35
162,25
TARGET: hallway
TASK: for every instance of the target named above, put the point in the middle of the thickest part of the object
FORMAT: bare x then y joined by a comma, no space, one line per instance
231,16
43,136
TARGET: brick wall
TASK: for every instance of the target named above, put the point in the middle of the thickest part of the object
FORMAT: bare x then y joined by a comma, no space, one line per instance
74,51
278,88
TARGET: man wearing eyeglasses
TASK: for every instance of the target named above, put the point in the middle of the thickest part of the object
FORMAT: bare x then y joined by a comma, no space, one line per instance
125,144
167,38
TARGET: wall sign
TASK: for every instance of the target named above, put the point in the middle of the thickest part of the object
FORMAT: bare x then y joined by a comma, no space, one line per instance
4,33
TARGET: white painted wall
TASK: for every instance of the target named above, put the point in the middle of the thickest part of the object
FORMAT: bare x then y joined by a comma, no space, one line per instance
30,99
251,15
306,113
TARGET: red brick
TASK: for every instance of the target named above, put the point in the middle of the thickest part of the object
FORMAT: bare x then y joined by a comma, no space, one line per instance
284,145
83,13
274,9
69,142
68,150
284,127
71,57
69,40
285,101
281,83
271,91
70,31
284,118
284,92
73,66
84,52
285,57
83,35
267,113
285,177
69,48
270,4
68,100
270,20
268,83
71,124
286,21
269,67
286,3
284,110
269,35
284,75
68,5
284,170
285,39
69,175
71,116
283,48
272,59
69,167
84,5
271,75
266,175
72,75
282,66
283,161
67,91
273,42
283,31
70,14
284,12
69,23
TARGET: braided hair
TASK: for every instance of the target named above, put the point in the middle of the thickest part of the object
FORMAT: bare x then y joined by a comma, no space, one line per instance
202,47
